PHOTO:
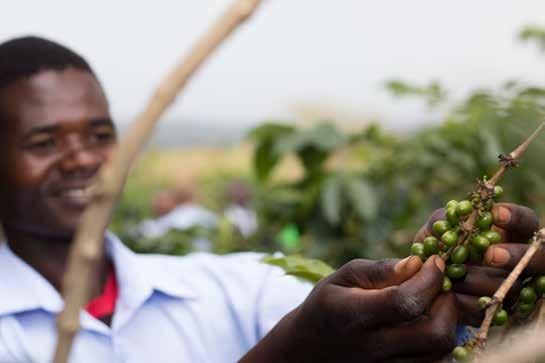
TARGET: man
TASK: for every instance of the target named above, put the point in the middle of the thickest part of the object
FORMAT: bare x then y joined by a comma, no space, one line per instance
56,132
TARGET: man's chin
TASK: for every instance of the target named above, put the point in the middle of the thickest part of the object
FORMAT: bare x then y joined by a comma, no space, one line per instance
61,233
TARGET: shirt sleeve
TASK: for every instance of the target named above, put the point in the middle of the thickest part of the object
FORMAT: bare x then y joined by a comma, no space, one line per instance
279,294
258,294
12,344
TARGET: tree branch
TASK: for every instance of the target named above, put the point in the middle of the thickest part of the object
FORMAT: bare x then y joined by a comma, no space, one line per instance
485,189
499,296
87,249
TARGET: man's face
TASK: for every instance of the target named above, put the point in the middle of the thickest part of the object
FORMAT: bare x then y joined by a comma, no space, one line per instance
55,134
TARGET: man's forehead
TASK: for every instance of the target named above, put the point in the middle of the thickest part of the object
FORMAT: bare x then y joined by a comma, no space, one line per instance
53,97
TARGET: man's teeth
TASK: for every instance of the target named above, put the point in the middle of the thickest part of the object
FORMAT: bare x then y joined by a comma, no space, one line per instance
78,194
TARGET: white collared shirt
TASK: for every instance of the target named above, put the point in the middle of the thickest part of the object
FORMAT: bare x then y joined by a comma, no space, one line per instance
197,308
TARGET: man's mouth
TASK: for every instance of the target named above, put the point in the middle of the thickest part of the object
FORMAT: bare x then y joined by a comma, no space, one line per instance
77,197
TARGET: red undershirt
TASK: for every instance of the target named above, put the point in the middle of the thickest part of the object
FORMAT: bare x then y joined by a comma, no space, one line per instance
104,305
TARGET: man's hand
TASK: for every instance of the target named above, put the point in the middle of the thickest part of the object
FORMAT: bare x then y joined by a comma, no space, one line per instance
516,224
385,311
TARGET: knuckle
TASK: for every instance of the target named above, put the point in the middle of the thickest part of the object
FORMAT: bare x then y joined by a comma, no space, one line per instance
407,306
442,336
366,273
354,266
353,271
437,215
376,271
524,214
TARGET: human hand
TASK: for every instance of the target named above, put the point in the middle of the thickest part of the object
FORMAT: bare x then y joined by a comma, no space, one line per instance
367,311
515,224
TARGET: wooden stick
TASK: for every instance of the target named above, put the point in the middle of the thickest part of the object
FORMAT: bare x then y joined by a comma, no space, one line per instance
487,189
504,288
87,249
515,155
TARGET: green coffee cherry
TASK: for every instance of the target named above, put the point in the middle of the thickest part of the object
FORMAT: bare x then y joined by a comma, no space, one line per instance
447,284
540,285
475,254
492,236
498,191
464,208
525,309
460,254
484,301
500,318
480,242
485,221
528,295
431,246
450,238
461,354
451,204
456,271
452,216
441,227
417,249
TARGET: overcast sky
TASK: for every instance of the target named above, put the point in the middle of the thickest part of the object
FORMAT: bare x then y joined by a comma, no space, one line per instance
327,54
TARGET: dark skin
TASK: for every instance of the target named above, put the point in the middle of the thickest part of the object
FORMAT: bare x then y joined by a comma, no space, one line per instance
516,225
368,311
56,133
374,312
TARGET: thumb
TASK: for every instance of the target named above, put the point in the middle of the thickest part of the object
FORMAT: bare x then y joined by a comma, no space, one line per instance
368,274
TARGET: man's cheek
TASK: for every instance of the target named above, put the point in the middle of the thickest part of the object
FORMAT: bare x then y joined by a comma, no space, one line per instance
31,172
108,152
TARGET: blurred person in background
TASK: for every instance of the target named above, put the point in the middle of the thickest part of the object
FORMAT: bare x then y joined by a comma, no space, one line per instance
238,210
176,208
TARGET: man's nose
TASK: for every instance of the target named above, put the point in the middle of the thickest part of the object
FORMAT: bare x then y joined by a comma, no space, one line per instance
80,159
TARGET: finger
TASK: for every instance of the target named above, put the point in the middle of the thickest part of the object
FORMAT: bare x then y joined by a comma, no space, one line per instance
426,358
469,310
518,222
369,308
432,335
427,229
480,281
507,255
485,281
416,294
367,274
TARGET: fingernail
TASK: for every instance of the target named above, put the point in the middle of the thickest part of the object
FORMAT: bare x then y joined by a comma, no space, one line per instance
439,263
502,215
402,265
500,256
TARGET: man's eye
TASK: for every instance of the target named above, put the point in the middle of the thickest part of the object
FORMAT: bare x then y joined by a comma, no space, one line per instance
104,136
42,145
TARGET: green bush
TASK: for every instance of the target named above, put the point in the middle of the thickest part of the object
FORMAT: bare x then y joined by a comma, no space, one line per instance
366,193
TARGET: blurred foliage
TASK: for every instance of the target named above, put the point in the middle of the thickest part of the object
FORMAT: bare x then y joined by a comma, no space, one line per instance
534,34
365,193
433,93
303,268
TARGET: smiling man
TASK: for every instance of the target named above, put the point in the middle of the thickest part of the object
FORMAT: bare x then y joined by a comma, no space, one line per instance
56,132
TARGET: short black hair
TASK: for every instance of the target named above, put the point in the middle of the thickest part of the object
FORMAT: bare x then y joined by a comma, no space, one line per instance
26,56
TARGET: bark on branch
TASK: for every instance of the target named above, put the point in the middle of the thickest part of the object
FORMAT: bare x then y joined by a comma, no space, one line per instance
88,246
507,284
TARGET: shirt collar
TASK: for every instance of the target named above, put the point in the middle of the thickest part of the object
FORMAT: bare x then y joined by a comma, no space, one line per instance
140,274
24,289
